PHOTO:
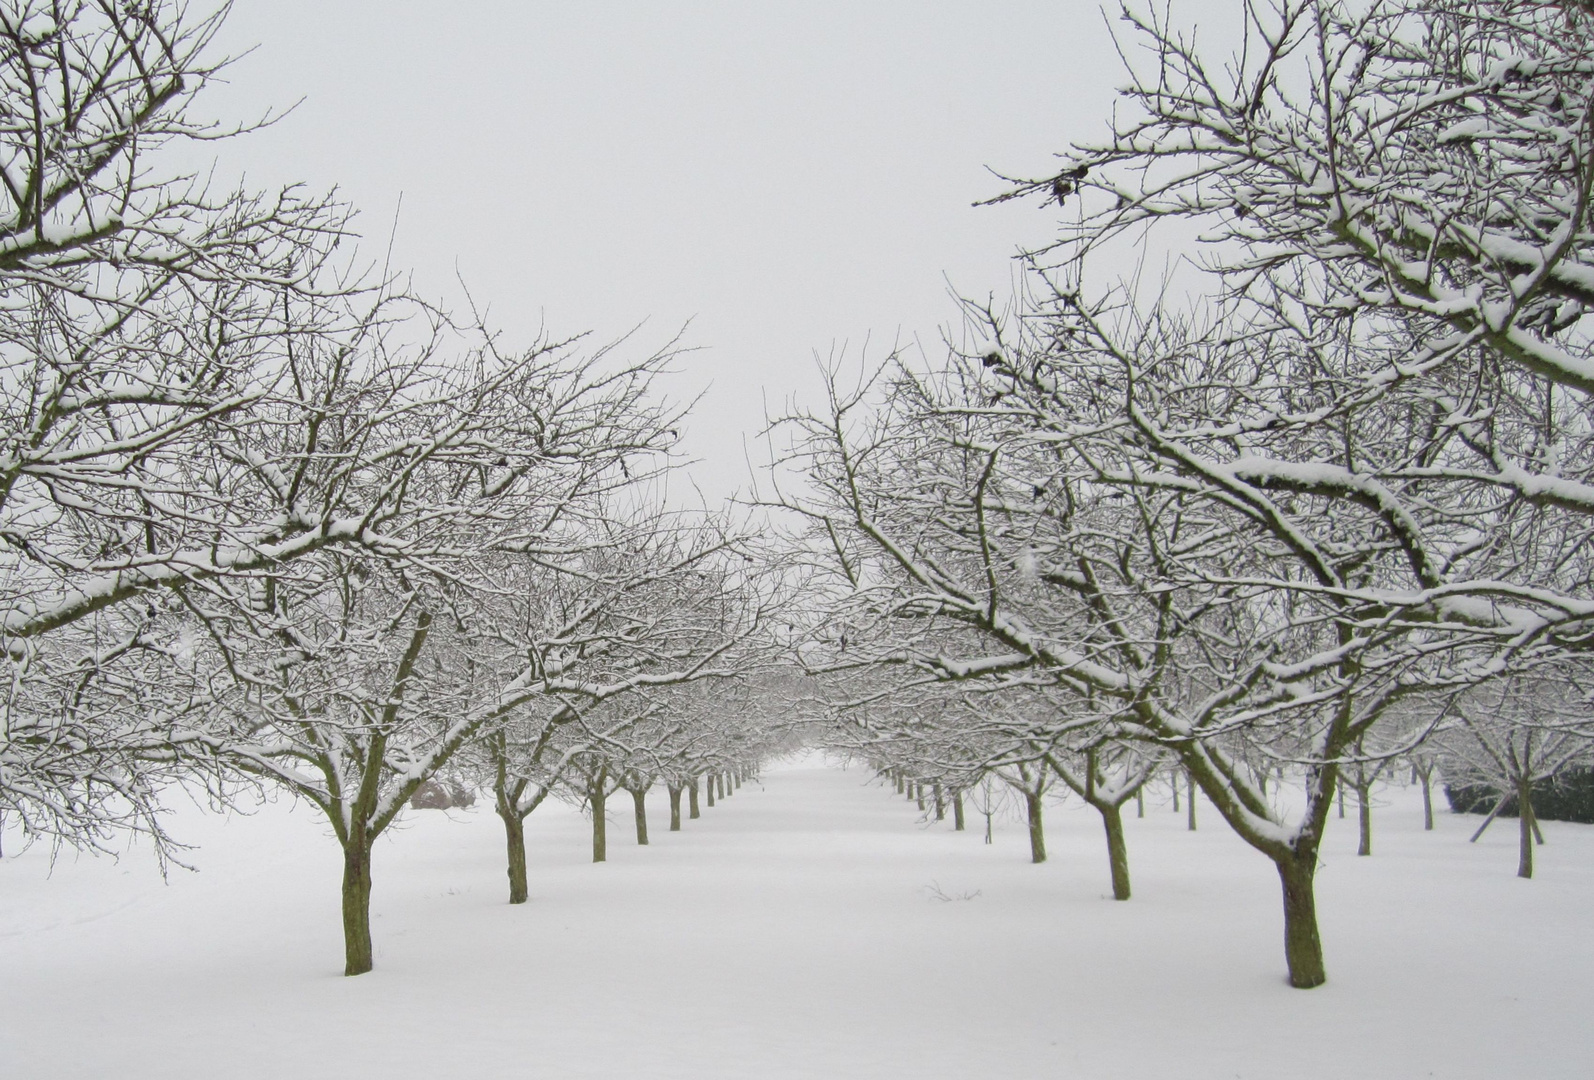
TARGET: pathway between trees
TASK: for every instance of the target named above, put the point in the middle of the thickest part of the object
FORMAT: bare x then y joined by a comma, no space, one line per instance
796,930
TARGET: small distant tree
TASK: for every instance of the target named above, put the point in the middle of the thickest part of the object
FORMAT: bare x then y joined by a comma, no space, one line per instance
1106,776
1510,736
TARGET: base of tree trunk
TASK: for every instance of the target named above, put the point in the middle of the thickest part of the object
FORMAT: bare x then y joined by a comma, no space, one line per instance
1526,827
515,841
356,909
1117,850
1303,949
1037,833
1364,818
600,837
639,799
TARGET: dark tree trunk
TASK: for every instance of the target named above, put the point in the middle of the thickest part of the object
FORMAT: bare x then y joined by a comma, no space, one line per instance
639,797
357,904
691,799
600,831
1364,814
1525,824
1190,800
708,786
940,803
918,795
957,809
1427,800
1303,950
1117,850
1140,801
898,778
675,807
515,840
1499,804
1176,793
1037,835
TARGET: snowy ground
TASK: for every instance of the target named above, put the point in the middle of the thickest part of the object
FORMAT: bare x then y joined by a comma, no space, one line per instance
794,931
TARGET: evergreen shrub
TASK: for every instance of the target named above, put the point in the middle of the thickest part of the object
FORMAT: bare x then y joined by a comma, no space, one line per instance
1567,797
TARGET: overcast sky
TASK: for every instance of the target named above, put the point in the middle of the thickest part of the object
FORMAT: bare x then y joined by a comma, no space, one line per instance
787,178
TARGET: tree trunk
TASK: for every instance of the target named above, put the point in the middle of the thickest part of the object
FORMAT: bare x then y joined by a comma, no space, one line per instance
357,904
1364,814
675,807
1117,850
1037,837
1427,801
639,797
1175,792
708,786
940,803
1525,825
898,779
1190,800
957,809
691,800
1303,950
600,832
918,794
1342,802
1140,801
515,840
1498,804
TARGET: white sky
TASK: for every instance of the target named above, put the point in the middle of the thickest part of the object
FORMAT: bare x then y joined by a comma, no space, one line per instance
788,178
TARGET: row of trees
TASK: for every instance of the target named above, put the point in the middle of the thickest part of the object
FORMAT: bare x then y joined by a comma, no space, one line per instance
1337,498
267,518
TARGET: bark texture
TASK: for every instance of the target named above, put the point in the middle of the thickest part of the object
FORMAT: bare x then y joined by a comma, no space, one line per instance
515,840
1037,834
1117,850
357,905
1303,950
639,797
600,833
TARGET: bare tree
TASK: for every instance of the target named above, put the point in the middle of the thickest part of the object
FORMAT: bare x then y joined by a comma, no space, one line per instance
1346,475
1511,736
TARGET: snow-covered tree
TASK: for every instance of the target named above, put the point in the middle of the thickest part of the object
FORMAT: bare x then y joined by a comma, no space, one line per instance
1341,477
1512,735
146,326
198,393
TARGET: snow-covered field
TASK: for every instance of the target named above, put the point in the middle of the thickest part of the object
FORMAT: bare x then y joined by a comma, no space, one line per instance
798,930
